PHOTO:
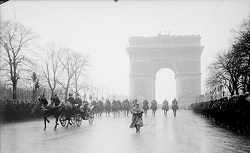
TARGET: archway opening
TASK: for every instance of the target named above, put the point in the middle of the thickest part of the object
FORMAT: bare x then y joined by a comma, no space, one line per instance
165,85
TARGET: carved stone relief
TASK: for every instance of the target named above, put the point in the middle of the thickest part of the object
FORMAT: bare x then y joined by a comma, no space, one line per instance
190,66
140,88
188,87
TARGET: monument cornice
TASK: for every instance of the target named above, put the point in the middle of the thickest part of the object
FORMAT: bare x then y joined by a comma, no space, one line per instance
165,41
164,49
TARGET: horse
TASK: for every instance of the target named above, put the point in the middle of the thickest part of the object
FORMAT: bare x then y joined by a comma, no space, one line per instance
48,111
99,108
153,107
94,105
119,107
174,106
165,107
126,107
107,107
145,107
114,108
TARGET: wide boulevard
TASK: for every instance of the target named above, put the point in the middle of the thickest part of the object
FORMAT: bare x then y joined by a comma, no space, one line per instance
187,132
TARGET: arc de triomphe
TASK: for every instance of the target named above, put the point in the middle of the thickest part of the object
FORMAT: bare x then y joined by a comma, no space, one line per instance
181,54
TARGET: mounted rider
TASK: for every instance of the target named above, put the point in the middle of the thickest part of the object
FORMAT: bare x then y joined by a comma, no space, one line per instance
174,101
165,106
153,104
145,103
165,102
84,109
175,104
44,102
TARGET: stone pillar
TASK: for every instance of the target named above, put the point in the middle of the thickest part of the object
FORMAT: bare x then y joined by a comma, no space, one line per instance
142,87
188,87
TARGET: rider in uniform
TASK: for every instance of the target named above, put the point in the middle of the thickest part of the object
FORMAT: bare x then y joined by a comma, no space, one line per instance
174,101
165,102
55,101
85,105
137,121
77,102
71,99
153,102
165,105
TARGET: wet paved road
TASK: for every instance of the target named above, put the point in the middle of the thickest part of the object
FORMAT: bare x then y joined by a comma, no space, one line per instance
187,132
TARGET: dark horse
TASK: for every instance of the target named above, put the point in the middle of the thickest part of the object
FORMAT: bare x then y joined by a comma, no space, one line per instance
174,106
99,108
153,107
48,111
126,107
145,107
165,107
115,108
107,107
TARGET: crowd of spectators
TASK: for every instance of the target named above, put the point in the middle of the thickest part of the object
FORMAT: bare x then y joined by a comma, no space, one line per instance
15,111
233,113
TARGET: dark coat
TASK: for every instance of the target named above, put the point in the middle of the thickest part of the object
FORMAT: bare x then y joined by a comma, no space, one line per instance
137,117
71,100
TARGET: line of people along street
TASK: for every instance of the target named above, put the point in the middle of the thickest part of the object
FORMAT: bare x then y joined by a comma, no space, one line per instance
12,111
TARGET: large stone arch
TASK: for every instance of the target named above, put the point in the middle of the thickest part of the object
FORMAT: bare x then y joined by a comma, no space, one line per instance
181,54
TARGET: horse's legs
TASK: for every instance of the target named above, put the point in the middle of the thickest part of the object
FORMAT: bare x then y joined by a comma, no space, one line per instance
45,119
56,122
68,118
68,122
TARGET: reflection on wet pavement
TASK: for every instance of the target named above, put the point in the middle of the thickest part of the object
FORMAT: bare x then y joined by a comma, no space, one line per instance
185,133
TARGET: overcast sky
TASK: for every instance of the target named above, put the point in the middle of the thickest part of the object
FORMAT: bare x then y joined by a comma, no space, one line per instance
102,29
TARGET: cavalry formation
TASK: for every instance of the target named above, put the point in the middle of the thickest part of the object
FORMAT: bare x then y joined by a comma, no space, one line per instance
74,111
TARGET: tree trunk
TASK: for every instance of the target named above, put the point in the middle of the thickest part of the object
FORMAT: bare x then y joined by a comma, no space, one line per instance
52,92
66,92
14,90
235,88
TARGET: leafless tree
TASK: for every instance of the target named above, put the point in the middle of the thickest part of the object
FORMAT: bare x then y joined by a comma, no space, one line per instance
72,63
81,75
51,67
241,51
15,40
225,70
85,89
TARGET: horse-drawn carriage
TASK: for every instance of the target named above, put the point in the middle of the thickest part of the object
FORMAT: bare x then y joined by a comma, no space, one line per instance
76,116
64,113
